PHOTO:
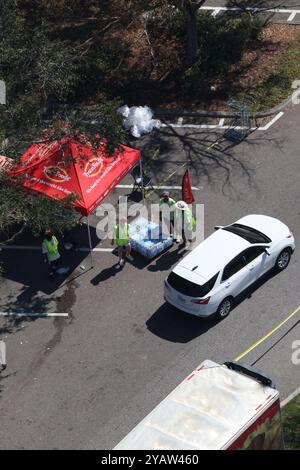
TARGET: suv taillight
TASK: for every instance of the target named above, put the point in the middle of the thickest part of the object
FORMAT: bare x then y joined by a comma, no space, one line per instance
201,301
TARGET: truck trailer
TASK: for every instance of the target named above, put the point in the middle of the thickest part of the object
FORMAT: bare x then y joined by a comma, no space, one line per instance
217,407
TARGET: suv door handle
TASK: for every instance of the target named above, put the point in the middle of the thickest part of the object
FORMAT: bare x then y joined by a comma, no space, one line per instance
228,284
251,267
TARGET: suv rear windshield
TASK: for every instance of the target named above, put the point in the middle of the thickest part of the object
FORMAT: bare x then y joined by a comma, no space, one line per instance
248,233
189,288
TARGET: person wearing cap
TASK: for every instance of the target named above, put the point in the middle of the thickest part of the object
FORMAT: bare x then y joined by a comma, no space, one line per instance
185,222
122,236
50,251
168,203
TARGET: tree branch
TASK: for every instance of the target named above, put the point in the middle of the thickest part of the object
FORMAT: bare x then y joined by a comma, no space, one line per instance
13,237
92,38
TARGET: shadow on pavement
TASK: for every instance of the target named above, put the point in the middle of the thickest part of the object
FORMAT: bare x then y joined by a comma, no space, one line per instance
105,274
168,259
28,301
27,267
135,196
139,261
3,376
171,324
163,261
210,157
176,326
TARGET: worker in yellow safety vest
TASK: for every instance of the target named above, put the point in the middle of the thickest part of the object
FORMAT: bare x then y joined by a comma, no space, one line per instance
166,211
50,251
184,222
122,236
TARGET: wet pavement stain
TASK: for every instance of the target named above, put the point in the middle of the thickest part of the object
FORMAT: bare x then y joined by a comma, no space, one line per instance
64,304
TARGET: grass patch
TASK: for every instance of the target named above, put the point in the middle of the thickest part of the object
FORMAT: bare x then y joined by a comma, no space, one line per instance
291,424
277,85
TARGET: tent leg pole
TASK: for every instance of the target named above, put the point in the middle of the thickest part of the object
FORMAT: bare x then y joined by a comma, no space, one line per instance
141,171
90,241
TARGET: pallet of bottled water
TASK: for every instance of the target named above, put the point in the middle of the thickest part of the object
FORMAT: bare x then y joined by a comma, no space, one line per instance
147,237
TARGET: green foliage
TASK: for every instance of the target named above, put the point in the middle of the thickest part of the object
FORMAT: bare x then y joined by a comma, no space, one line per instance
100,120
272,90
221,43
276,86
291,424
39,65
65,60
22,209
166,21
253,26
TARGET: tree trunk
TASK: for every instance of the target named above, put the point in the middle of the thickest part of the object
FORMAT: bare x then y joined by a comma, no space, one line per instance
192,36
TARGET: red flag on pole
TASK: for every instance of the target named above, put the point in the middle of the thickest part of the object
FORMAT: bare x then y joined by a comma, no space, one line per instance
187,193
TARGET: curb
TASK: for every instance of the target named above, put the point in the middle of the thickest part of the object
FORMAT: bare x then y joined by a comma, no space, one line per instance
290,397
224,114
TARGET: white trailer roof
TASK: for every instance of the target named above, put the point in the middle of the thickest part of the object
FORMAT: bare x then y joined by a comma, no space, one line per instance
205,411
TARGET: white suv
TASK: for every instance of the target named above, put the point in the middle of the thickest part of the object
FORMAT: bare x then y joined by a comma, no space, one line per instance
211,276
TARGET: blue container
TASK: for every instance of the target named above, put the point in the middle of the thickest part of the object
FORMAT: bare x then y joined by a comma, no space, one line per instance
147,238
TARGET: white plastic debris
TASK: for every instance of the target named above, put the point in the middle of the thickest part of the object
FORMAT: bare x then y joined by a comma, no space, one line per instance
138,120
124,110
68,246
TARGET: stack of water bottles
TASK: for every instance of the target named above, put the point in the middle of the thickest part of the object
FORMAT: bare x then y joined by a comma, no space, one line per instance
147,238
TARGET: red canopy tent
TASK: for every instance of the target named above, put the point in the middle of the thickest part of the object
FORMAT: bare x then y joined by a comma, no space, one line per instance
59,169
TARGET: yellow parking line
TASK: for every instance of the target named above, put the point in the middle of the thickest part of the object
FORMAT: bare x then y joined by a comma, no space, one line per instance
162,183
213,144
267,335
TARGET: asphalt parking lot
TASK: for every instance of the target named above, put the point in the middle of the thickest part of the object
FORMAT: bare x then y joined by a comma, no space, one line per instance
84,381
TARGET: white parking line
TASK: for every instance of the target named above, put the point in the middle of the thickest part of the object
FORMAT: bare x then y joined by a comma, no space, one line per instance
34,314
129,186
177,187
290,397
270,10
206,126
219,126
109,250
269,124
36,248
292,16
194,126
292,12
216,11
